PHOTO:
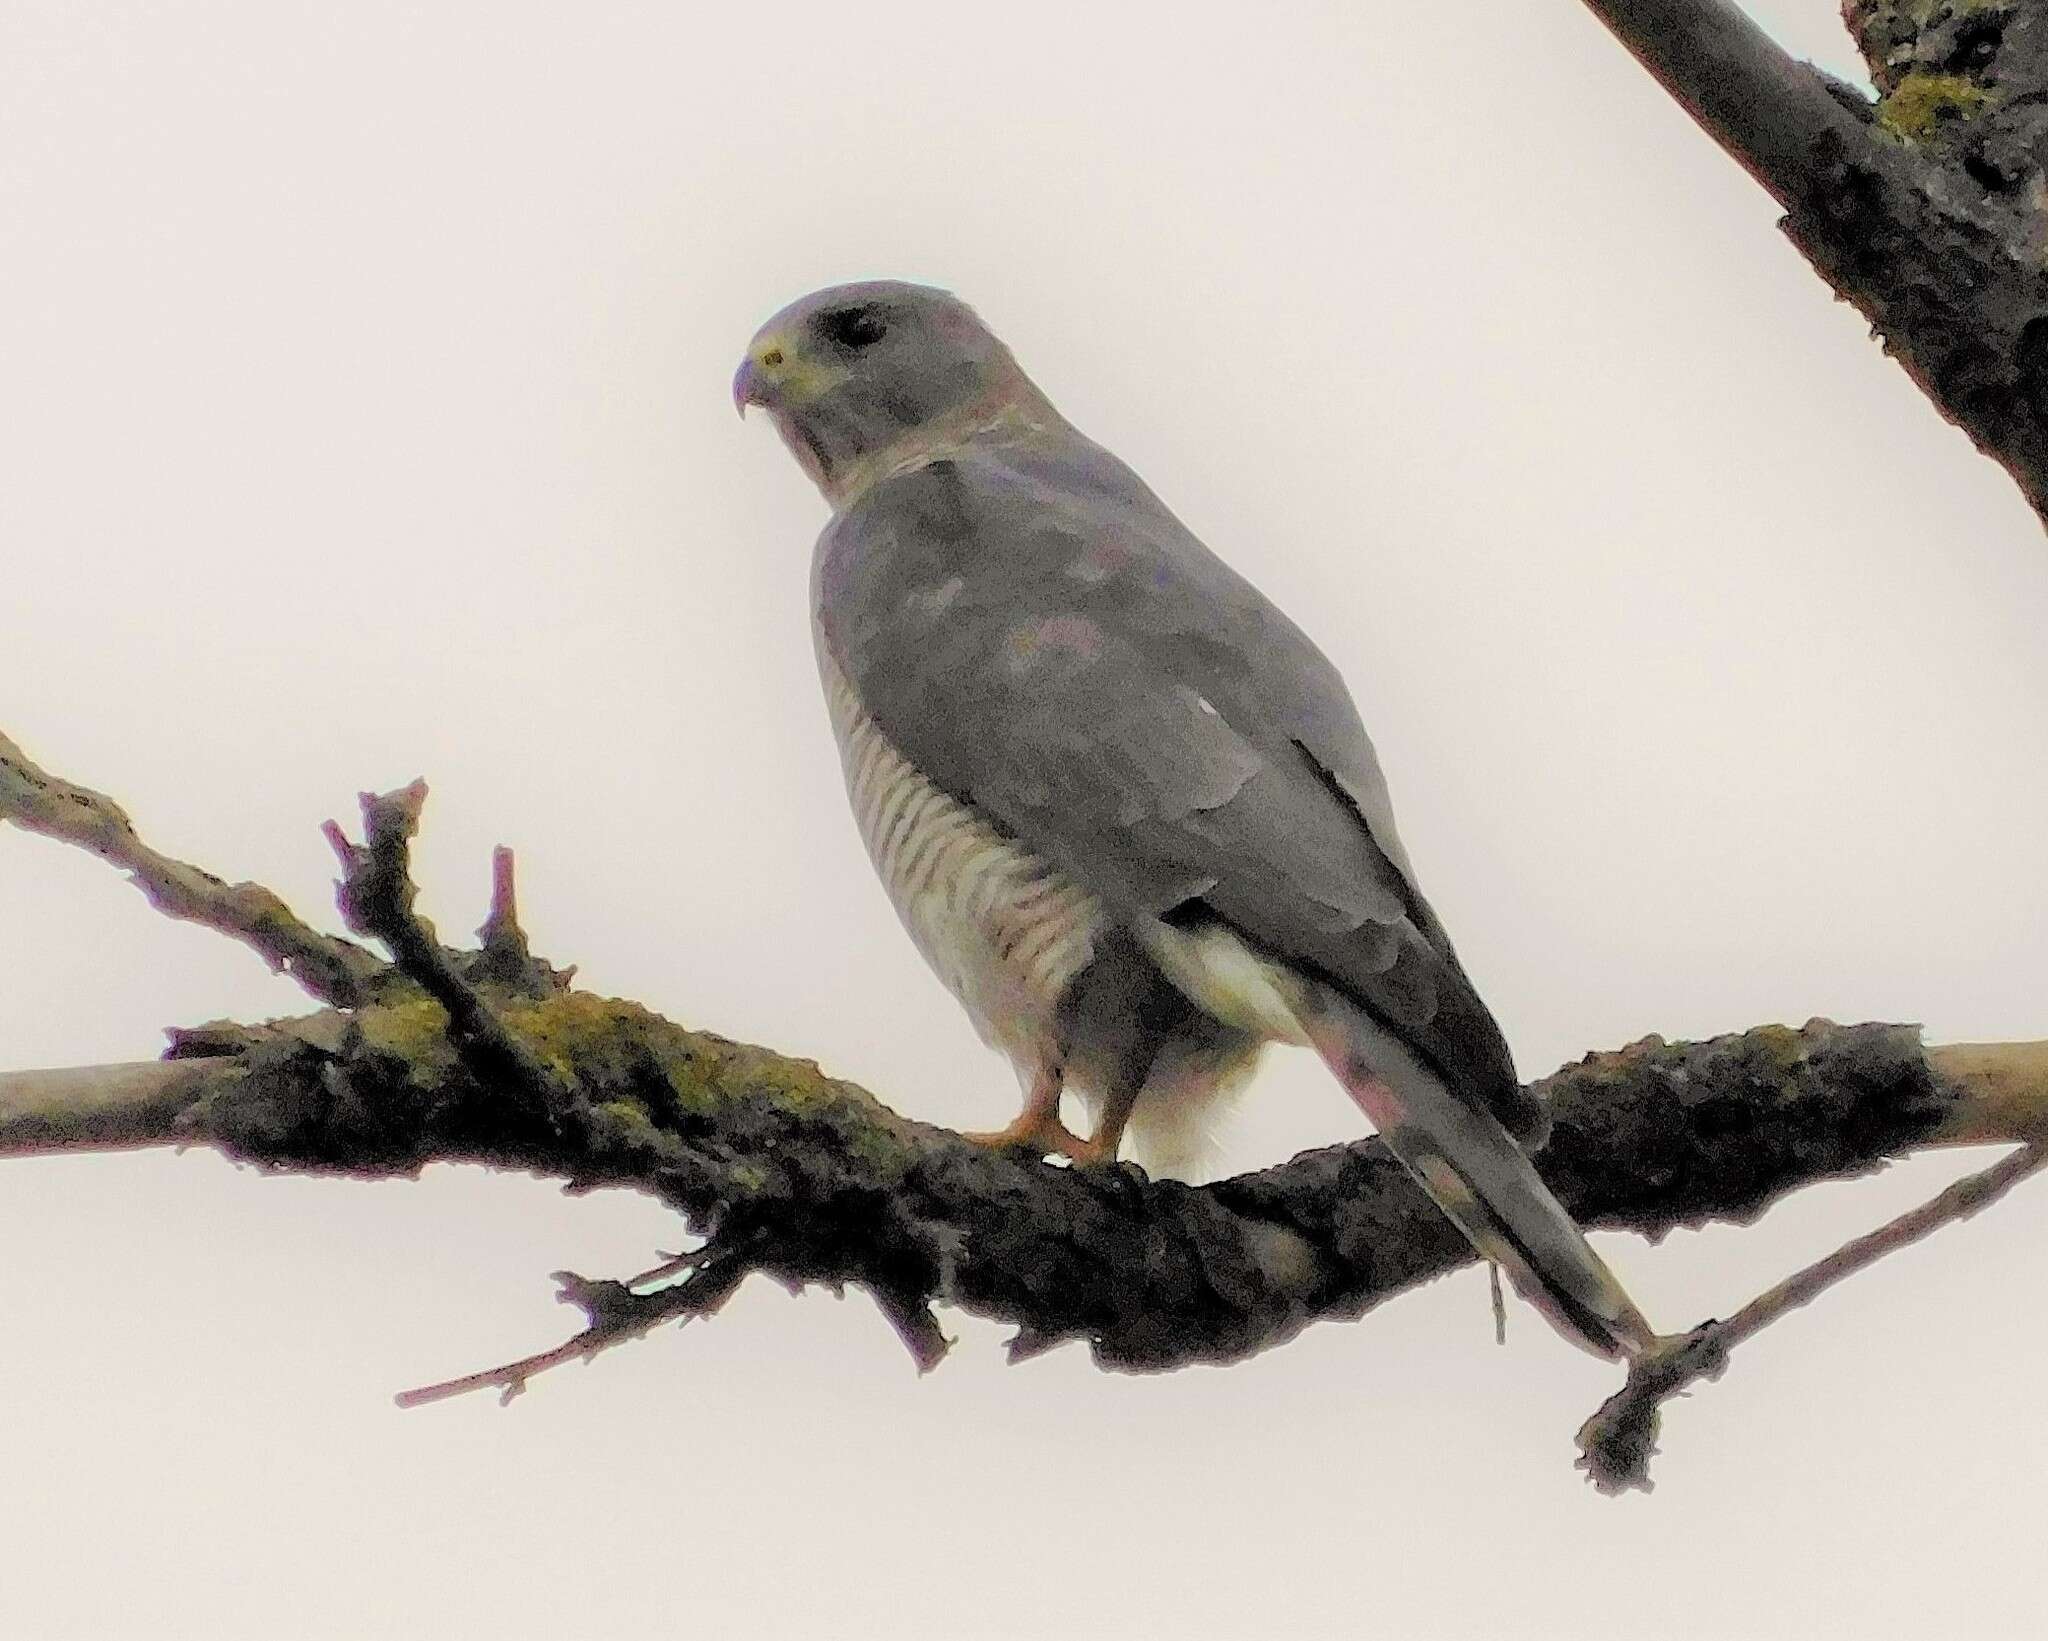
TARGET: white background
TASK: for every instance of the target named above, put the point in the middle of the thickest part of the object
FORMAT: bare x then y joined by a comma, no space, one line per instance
363,414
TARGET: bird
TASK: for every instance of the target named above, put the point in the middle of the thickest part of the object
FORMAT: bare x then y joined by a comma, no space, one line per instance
1123,805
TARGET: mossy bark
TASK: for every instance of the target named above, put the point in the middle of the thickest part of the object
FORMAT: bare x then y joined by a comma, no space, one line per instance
1926,208
821,1182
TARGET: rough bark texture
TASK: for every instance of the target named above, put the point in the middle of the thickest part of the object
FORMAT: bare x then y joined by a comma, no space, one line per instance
823,1183
490,1056
1927,208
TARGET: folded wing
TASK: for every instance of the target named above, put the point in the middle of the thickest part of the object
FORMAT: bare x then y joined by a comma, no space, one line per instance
1044,641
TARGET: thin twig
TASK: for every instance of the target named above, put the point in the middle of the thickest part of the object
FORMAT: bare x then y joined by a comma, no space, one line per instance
331,969
376,896
911,1316
616,1315
1617,1442
504,957
500,927
672,1265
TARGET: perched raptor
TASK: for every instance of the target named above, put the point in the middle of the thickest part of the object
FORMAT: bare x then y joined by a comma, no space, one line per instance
1124,807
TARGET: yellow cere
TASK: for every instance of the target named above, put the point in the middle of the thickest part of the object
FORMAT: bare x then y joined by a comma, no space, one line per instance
795,378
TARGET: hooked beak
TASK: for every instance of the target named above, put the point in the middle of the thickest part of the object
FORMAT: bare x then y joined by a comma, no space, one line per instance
746,386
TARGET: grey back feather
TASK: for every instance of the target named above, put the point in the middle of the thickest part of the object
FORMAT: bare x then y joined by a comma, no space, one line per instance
1044,640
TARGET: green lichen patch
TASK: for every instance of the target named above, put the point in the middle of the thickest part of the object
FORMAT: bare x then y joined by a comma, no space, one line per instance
636,1067
1923,103
413,1032
629,1115
748,1177
643,1085
597,1044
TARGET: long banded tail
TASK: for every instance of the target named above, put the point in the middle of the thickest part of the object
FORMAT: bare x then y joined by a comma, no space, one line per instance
1483,1181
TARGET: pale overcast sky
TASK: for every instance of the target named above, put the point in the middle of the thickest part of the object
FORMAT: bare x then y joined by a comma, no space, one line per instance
363,393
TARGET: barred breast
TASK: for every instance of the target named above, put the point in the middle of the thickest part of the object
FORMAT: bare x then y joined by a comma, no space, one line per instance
1005,930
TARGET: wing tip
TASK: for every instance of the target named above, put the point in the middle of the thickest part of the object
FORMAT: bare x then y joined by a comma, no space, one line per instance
1569,1283
1468,1163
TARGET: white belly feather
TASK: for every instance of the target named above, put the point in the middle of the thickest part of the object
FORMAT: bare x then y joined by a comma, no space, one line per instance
1005,930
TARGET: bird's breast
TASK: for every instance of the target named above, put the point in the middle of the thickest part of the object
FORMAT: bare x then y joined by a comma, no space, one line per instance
1003,928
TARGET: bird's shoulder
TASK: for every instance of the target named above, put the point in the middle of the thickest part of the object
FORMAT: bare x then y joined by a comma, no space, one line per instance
961,602
1063,526
965,560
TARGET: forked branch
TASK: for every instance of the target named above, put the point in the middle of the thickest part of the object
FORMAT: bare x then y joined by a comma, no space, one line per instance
1616,1444
810,1179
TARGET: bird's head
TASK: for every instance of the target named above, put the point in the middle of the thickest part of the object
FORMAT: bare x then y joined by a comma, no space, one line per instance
856,374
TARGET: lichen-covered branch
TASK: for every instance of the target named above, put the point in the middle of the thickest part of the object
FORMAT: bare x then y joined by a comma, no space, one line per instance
1926,208
489,1057
377,898
830,1185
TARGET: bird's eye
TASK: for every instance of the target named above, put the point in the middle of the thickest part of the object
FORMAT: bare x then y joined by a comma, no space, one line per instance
853,328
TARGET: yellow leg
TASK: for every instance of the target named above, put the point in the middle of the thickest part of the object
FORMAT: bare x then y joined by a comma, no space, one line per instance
1038,1127
1109,1127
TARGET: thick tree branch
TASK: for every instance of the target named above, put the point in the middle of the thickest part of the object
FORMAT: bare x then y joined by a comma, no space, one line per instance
1649,1137
1768,111
1927,209
831,1186
808,1178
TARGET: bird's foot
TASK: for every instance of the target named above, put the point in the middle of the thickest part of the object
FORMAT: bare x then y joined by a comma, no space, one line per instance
1042,1136
1087,1153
